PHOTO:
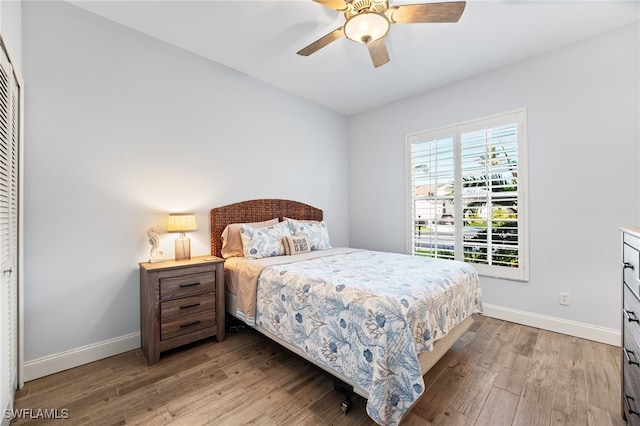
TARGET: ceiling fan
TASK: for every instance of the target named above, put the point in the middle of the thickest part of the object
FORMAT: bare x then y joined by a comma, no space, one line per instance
368,22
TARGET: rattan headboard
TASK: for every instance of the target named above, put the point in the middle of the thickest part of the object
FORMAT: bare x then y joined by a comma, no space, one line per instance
256,211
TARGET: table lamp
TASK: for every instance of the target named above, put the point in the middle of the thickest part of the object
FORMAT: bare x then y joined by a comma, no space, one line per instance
182,222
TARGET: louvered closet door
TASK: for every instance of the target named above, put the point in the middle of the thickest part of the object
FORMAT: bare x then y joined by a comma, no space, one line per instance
9,128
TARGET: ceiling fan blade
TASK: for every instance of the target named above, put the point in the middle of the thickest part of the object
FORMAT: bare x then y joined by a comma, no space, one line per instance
339,5
426,13
378,51
322,42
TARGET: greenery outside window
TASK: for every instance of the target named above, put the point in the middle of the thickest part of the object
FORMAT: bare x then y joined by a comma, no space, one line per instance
467,198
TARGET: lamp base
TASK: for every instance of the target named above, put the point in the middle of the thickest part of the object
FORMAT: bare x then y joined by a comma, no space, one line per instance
183,247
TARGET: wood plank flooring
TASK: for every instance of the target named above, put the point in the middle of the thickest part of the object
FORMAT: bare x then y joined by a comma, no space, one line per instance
497,373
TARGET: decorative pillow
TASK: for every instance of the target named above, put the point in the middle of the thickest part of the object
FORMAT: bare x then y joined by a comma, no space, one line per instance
231,240
264,242
296,244
315,231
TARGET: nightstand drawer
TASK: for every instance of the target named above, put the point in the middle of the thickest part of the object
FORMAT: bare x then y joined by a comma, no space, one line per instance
187,285
179,308
193,317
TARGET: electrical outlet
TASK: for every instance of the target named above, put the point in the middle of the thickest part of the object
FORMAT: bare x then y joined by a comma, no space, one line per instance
564,298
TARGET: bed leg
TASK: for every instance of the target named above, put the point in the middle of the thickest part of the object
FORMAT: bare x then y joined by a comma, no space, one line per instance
348,391
233,325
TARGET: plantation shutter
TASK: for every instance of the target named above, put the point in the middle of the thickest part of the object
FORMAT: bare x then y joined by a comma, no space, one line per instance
9,149
432,186
490,194
466,193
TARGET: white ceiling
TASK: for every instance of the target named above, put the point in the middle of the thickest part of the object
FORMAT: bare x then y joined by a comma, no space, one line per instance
261,38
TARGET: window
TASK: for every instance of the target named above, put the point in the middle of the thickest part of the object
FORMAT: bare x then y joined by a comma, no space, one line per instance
467,194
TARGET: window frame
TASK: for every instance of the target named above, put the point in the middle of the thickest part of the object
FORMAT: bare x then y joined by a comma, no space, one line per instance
519,117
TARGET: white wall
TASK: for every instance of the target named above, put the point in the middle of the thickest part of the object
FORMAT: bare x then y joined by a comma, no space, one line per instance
122,129
584,137
11,21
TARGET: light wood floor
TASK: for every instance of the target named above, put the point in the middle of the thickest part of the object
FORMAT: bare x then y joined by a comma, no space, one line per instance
498,373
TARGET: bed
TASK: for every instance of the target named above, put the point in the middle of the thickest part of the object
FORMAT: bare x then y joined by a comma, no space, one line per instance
375,321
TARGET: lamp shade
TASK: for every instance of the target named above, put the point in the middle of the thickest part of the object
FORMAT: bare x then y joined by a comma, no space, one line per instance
182,222
366,27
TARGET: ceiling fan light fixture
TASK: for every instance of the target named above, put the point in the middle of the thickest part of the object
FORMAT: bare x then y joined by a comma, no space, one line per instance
366,27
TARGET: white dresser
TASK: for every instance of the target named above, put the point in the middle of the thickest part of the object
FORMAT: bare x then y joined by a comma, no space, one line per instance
631,325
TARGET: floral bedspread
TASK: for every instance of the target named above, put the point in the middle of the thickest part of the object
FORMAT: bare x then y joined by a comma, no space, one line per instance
367,315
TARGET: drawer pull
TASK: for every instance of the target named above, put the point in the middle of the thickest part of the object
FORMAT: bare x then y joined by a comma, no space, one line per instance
193,305
189,285
628,403
626,265
189,324
631,316
628,354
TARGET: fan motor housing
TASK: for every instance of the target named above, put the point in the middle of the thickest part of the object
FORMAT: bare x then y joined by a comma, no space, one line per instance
360,6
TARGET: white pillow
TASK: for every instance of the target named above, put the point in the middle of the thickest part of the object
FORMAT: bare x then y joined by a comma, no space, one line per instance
231,240
315,231
264,242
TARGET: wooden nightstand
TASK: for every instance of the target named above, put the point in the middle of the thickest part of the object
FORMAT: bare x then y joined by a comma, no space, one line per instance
180,302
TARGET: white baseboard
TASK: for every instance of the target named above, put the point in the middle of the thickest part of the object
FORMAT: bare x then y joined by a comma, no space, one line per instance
75,357
558,325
